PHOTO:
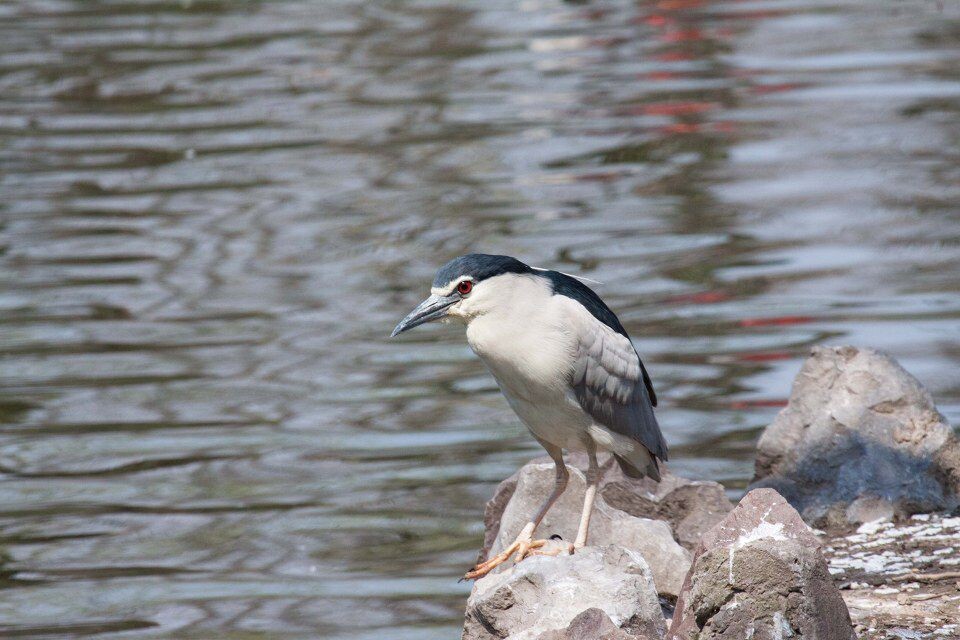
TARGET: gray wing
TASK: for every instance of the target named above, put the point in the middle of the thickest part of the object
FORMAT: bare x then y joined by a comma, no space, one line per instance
609,383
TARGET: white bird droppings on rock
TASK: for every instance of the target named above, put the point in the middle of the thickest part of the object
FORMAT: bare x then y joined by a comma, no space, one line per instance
873,526
761,549
763,530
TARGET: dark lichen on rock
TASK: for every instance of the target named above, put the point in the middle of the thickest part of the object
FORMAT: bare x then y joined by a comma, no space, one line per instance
860,439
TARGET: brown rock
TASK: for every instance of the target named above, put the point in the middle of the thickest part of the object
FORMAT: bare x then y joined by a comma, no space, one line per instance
691,507
592,624
760,573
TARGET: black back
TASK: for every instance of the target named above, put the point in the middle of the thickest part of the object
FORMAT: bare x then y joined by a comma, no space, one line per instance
565,285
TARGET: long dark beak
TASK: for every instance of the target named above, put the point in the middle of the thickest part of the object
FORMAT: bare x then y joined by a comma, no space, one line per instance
432,308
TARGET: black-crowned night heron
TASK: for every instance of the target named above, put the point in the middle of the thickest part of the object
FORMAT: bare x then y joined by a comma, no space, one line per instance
565,364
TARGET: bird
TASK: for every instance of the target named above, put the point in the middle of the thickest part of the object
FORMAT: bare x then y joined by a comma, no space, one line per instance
566,366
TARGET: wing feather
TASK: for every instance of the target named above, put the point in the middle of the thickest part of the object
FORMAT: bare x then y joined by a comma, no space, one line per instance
612,385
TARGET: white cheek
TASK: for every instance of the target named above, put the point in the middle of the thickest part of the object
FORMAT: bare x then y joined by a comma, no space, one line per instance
456,312
468,307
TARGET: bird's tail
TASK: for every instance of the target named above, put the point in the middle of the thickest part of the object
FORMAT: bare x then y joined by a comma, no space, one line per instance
639,464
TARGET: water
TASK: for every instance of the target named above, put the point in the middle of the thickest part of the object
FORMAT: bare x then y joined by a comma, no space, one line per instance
213,214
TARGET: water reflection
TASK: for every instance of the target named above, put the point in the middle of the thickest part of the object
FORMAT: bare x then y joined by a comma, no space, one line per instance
214,212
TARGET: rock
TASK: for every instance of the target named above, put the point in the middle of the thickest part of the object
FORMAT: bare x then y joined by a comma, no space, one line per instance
859,439
903,575
544,593
592,624
653,539
760,574
493,511
691,507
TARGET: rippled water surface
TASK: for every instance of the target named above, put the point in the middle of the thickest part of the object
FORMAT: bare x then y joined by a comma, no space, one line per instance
214,212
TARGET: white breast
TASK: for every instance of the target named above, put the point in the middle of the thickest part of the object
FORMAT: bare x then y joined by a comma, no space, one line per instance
528,347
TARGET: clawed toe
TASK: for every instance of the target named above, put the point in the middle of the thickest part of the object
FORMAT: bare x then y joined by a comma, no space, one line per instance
484,568
520,550
527,549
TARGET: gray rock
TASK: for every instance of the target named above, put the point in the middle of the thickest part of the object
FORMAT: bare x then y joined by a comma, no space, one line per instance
691,507
860,439
545,593
760,574
653,539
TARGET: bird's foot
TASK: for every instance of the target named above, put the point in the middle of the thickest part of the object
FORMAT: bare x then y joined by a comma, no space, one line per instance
523,544
555,546
520,549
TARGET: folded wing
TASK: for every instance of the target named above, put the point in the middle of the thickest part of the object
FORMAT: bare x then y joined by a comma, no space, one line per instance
611,384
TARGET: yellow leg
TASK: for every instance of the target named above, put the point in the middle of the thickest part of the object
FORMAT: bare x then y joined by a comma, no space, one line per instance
524,542
593,478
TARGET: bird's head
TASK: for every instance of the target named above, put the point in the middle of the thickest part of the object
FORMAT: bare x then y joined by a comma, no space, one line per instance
464,288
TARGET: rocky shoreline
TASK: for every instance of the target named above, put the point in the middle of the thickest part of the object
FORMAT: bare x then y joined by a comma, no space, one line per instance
900,579
849,529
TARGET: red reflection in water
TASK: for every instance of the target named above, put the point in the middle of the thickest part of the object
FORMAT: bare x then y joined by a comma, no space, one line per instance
661,75
776,321
673,56
683,35
680,127
762,89
656,20
678,108
691,127
703,297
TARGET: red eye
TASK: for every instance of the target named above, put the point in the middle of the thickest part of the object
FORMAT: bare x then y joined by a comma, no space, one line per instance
464,287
